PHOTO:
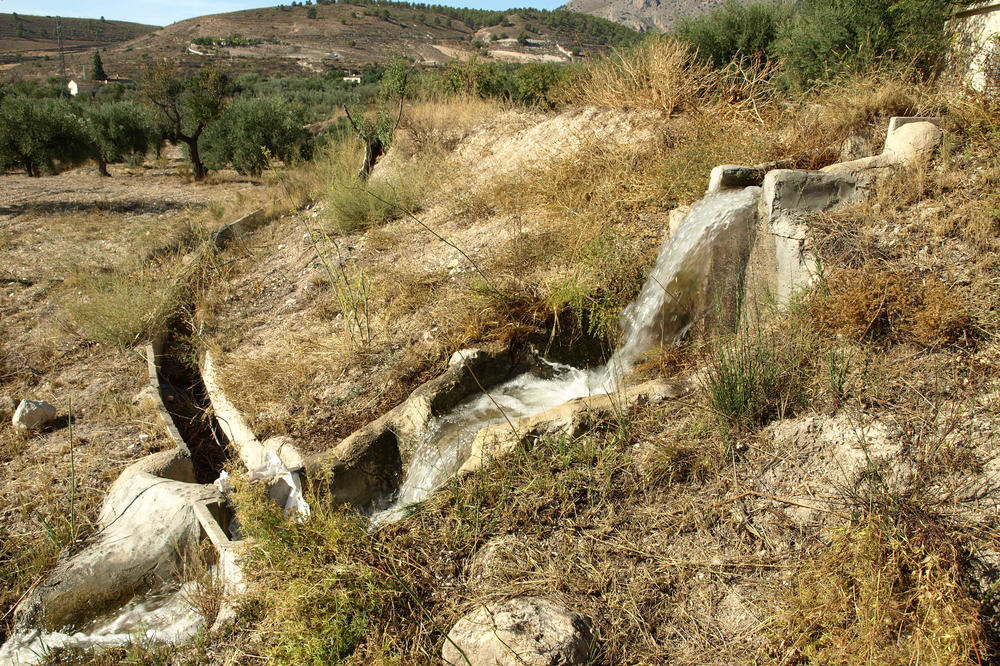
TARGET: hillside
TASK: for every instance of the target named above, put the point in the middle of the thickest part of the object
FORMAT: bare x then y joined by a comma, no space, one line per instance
644,15
321,38
23,36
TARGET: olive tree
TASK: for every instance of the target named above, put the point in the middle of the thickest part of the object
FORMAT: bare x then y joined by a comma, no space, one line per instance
188,105
120,130
251,131
41,135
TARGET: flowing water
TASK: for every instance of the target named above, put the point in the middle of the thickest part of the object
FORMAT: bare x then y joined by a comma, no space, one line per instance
166,616
661,313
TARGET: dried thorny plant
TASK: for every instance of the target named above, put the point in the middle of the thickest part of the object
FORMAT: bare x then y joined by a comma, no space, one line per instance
204,588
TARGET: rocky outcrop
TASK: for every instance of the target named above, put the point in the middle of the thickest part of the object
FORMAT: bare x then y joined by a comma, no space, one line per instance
528,631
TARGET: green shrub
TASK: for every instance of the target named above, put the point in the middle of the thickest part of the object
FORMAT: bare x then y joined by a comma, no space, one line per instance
826,37
733,30
609,274
312,579
250,131
41,134
754,377
353,203
120,130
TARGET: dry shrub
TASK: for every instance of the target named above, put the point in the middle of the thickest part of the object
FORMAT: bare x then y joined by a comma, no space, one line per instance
881,593
662,73
205,586
889,306
851,104
122,308
442,123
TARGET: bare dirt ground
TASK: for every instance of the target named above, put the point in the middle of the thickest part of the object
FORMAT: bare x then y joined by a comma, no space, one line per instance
55,233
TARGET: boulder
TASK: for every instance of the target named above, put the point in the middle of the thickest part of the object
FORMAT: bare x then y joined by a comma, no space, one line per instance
33,414
528,631
913,142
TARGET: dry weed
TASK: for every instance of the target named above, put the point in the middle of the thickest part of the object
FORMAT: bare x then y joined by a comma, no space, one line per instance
881,593
205,587
888,305
662,73
815,126
441,124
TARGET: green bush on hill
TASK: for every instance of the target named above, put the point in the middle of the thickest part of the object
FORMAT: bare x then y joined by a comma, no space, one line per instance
250,131
827,37
819,39
733,30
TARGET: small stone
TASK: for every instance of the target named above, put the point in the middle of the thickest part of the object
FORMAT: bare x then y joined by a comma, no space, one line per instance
463,356
530,630
146,398
33,414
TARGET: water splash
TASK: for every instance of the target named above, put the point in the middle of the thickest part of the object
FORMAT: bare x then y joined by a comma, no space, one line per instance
661,313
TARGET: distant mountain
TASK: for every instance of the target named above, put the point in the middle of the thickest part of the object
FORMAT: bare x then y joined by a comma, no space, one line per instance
644,15
351,36
36,36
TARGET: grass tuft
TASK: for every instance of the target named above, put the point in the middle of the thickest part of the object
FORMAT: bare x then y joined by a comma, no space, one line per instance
122,308
881,593
754,377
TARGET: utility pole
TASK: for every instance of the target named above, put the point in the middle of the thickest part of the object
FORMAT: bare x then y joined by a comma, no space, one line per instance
62,59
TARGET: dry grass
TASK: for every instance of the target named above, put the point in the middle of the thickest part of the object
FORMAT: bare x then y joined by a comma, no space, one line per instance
882,593
662,73
440,124
815,125
872,305
122,308
205,586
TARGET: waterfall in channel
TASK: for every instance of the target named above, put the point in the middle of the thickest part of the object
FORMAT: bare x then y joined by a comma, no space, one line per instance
660,314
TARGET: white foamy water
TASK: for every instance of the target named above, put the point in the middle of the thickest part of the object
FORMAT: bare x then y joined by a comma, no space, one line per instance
164,617
661,313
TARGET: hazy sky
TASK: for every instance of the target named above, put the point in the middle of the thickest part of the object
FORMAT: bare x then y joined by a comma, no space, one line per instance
163,12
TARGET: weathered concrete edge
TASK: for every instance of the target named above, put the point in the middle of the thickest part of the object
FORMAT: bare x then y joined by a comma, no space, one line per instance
241,227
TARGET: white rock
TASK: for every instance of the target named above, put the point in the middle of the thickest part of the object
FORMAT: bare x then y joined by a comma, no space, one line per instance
463,356
33,414
522,631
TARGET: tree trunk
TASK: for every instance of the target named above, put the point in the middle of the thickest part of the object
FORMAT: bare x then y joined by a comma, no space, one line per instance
373,150
102,167
196,165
